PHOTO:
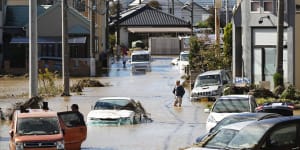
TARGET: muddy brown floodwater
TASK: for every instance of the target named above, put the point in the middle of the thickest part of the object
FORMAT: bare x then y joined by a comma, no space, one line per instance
172,128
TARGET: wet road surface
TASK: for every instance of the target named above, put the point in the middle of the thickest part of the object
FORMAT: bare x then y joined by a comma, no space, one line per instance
172,127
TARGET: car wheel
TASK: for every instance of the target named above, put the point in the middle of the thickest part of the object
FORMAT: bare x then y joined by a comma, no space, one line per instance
137,119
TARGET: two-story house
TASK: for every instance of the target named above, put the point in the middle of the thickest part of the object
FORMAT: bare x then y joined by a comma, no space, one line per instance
255,40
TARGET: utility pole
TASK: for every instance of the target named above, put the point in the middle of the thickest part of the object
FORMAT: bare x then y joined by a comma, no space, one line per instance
33,50
192,18
118,30
227,15
65,48
92,38
218,4
280,14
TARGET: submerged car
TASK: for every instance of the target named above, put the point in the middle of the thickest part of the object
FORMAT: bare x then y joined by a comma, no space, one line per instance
117,111
283,108
240,117
268,134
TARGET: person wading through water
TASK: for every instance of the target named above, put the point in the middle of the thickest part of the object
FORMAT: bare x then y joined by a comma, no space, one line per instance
178,91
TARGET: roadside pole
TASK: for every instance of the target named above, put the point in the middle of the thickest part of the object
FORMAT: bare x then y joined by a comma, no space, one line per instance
65,49
33,51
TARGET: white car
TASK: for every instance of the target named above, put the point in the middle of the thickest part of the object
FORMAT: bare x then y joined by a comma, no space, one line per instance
116,111
228,105
210,84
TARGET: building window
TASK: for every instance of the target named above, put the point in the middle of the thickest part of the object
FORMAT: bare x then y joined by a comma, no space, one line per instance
268,6
255,5
297,8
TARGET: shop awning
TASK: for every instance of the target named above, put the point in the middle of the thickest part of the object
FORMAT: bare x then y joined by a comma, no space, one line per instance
153,30
48,40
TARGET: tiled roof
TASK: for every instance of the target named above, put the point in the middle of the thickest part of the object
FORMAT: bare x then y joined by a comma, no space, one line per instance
19,15
145,15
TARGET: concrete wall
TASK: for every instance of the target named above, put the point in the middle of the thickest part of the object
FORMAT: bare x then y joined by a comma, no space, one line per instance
297,47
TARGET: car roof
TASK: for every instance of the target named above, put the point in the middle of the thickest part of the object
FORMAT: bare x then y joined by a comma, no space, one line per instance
235,96
185,52
137,52
211,72
108,98
36,113
266,123
253,115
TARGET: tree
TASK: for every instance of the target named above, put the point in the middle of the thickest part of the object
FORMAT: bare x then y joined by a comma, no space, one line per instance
227,39
155,4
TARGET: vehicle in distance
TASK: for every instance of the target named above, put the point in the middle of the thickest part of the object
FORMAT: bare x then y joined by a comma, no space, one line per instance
183,61
235,118
229,105
283,108
268,134
38,129
140,60
117,111
209,85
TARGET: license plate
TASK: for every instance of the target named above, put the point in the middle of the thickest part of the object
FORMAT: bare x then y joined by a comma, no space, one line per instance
205,99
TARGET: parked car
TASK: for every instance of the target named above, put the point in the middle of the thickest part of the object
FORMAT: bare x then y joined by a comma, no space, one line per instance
228,105
116,111
140,60
268,134
235,118
283,108
209,85
183,61
38,129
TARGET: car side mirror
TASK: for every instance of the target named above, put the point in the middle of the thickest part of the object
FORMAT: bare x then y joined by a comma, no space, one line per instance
206,110
11,133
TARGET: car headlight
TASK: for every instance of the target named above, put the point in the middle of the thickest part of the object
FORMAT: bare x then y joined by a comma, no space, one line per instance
126,120
19,146
211,119
60,145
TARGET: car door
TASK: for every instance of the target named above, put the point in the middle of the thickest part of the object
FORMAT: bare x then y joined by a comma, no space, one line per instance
283,137
74,128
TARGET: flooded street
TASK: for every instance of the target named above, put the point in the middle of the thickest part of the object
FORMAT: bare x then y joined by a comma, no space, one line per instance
172,128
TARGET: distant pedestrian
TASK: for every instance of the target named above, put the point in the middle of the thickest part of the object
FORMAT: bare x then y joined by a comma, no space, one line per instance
75,108
178,91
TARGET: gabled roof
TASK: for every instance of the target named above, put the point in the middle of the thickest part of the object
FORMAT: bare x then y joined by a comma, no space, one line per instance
18,15
145,15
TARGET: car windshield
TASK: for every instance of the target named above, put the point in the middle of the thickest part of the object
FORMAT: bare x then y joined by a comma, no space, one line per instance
230,120
140,58
231,105
112,104
221,139
208,80
184,57
38,126
248,137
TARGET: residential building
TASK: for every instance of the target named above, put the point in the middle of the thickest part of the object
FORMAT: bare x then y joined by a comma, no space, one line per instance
181,10
255,40
134,26
15,40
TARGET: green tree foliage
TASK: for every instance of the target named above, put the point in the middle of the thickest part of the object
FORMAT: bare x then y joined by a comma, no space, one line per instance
202,24
227,47
154,4
47,85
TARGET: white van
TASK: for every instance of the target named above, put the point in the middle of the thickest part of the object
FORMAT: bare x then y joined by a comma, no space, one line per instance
140,60
183,61
209,85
